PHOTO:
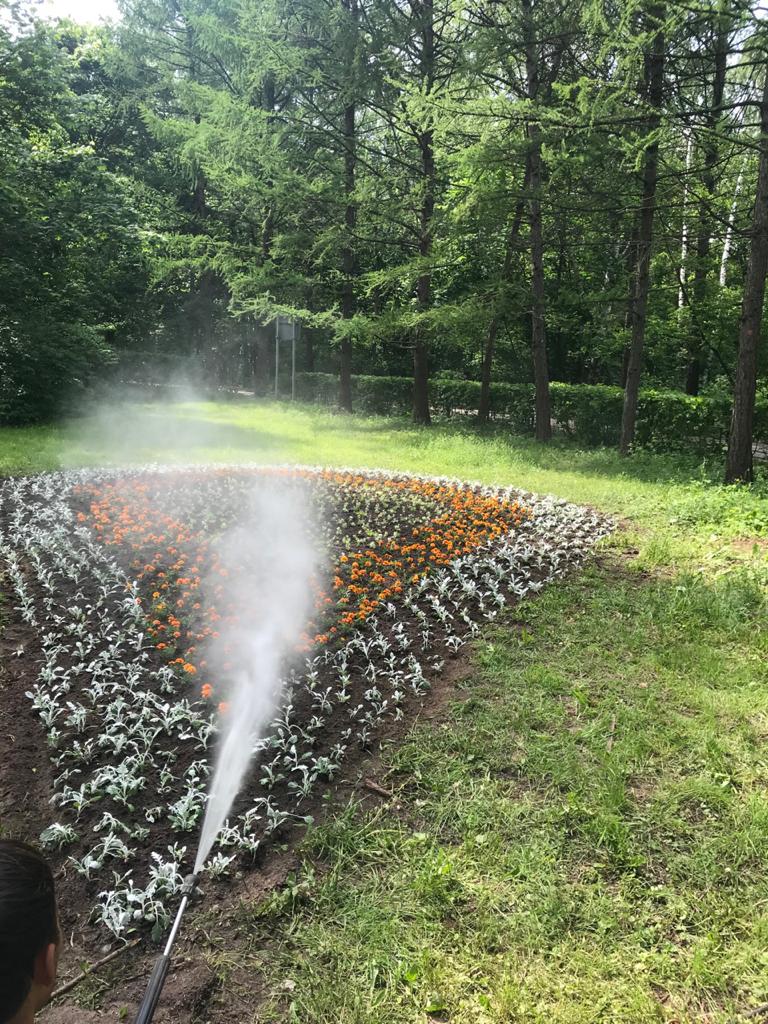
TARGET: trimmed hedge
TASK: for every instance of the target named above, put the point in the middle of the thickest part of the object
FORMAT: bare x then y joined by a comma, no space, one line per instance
589,413
384,396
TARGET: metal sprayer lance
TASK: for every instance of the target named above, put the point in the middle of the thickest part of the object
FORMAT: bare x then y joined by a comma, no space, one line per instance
163,962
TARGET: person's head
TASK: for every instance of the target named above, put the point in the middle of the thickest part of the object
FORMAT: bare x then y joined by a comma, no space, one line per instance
29,931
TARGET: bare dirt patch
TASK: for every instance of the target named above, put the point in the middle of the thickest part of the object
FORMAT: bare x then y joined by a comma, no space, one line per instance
750,547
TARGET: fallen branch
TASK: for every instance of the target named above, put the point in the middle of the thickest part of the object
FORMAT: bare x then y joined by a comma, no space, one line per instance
756,1011
376,788
69,985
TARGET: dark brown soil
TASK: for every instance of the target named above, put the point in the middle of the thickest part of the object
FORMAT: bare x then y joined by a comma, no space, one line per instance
26,782
192,987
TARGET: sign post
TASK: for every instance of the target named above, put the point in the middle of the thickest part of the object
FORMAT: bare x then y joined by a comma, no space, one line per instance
285,330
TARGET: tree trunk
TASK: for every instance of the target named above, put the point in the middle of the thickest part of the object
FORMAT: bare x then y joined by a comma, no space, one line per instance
484,407
543,411
738,464
654,77
683,276
348,258
268,224
703,242
543,419
348,254
729,228
345,375
421,413
630,272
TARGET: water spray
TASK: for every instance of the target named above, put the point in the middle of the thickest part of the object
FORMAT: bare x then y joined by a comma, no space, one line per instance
163,962
273,580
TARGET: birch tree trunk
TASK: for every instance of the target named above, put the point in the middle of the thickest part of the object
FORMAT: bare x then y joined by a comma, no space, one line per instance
703,242
728,241
685,233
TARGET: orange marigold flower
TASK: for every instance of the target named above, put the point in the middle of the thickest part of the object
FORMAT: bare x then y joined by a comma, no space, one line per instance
206,690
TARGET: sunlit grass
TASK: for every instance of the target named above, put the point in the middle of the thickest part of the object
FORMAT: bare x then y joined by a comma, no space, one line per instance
238,431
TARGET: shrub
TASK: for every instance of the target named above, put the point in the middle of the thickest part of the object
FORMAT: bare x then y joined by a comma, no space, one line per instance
384,396
589,413
45,368
671,420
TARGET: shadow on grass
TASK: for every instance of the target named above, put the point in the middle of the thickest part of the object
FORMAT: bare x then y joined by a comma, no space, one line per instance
134,431
194,429
264,430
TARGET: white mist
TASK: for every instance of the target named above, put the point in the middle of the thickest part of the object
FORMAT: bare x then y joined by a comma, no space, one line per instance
269,559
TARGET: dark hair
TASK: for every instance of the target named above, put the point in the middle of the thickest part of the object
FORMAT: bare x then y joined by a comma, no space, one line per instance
28,920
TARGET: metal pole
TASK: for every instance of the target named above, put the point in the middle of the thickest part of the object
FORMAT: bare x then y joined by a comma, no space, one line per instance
277,350
293,362
163,963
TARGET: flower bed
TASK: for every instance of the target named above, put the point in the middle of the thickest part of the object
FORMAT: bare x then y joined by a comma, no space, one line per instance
122,577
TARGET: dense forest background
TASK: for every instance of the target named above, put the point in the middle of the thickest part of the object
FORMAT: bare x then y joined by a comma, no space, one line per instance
514,193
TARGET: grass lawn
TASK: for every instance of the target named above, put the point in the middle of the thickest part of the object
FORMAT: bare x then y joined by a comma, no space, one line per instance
582,836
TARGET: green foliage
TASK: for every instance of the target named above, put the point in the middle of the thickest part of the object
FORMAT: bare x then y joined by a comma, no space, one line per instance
73,269
45,368
385,396
588,413
170,184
